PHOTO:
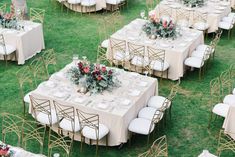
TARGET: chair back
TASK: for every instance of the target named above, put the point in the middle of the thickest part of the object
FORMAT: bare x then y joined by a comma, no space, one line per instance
32,132
136,50
182,14
226,82
41,106
11,127
232,71
156,55
37,15
2,43
117,46
65,112
49,58
149,4
102,56
89,120
173,93
215,90
225,142
167,12
3,8
199,17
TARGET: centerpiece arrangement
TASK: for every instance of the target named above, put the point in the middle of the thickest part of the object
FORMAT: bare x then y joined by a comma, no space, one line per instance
8,20
163,27
92,77
5,150
193,3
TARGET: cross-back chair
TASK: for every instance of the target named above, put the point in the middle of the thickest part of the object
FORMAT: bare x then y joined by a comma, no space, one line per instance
149,4
139,60
103,27
159,148
3,7
200,21
26,85
92,128
225,142
32,132
182,17
102,56
37,15
49,59
226,82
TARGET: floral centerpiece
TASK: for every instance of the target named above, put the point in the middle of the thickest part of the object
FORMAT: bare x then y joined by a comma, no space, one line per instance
5,150
95,77
8,20
163,27
193,3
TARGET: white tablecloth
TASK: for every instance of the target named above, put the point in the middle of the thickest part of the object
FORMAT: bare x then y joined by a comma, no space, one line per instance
229,124
215,13
116,116
176,51
28,42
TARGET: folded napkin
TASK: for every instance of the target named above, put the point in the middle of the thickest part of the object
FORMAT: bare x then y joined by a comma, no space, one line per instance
102,106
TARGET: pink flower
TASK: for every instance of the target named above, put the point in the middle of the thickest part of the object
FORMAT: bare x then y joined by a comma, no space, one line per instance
164,24
110,72
86,70
103,69
99,78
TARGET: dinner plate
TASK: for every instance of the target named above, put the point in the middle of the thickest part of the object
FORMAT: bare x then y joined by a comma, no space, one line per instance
164,45
188,39
220,8
125,102
61,95
79,100
217,12
182,44
134,92
102,106
143,84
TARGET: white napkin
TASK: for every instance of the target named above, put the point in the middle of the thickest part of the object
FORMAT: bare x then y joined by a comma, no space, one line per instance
143,84
134,92
102,106
60,94
126,102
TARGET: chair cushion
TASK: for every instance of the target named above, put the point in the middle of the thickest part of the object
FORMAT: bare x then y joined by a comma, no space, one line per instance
139,61
113,2
157,65
9,49
141,126
221,109
43,118
199,54
202,26
183,23
74,1
120,56
105,43
66,124
194,62
228,19
148,113
27,98
90,133
88,2
157,102
225,25
229,99
231,15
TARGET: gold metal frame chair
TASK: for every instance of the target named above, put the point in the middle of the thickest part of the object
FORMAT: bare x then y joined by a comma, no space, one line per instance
159,148
225,142
149,4
49,58
200,17
11,124
3,7
26,84
138,51
102,56
59,142
37,15
33,131
114,20
182,14
38,70
156,55
92,121
226,82
119,46
232,71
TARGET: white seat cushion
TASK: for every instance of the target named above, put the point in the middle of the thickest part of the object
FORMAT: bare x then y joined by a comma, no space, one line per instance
90,133
88,2
183,23
234,91
157,102
202,26
113,2
198,53
43,118
225,25
228,19
27,98
231,15
105,43
157,65
141,126
148,113
221,109
121,56
66,124
139,61
194,62
74,1
9,49
229,99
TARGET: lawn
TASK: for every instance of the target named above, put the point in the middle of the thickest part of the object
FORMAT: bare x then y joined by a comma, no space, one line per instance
70,33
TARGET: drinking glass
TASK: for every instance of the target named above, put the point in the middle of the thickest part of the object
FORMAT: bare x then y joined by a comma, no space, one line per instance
142,14
75,59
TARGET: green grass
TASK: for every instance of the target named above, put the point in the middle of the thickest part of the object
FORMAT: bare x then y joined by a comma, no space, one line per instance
70,33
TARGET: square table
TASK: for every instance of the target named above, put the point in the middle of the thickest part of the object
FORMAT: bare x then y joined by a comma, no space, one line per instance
135,89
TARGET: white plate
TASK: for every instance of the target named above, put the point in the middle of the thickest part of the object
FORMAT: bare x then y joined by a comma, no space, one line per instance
60,94
164,45
143,84
217,12
102,106
188,39
220,8
134,92
182,44
125,102
79,100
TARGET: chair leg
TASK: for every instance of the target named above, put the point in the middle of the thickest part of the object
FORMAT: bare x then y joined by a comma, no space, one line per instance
209,123
107,140
97,145
200,74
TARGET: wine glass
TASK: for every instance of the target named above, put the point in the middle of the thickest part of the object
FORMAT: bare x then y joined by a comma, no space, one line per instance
142,14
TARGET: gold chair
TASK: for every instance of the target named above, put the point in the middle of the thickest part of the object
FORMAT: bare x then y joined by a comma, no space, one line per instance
38,70
226,82
92,129
60,143
114,20
149,4
139,60
102,56
118,54
232,71
103,33
26,85
159,148
225,142
32,132
200,21
37,15
49,59
3,7
182,17
42,111
67,119
157,61
11,127
165,12
6,49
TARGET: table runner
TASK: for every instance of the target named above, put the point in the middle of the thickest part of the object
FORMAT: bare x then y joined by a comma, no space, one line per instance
116,116
28,42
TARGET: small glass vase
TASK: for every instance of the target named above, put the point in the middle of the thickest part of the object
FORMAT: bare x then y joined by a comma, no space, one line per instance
82,86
